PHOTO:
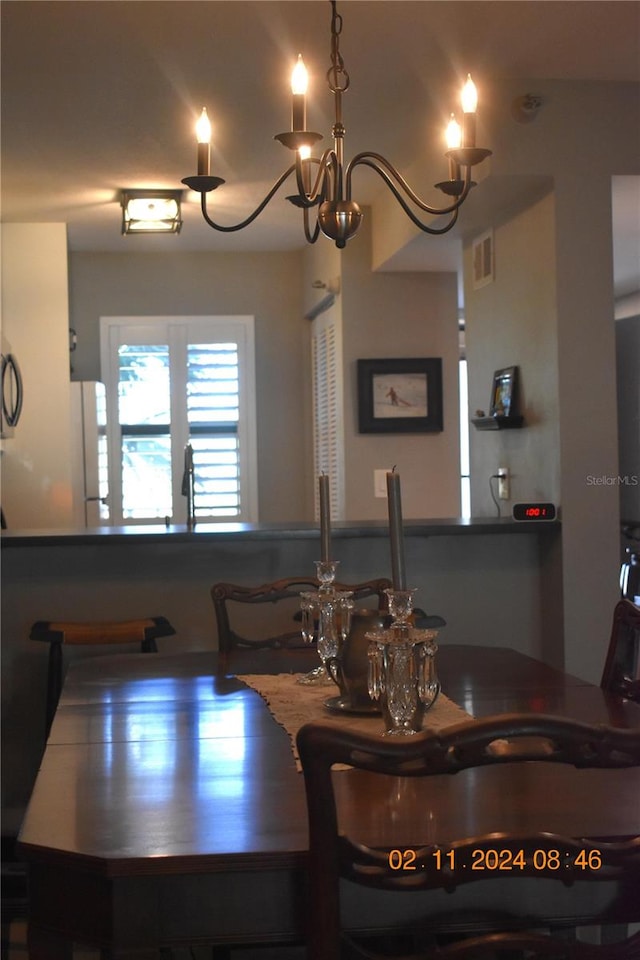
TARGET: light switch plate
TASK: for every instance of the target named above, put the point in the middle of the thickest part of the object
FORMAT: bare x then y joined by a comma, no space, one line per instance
380,483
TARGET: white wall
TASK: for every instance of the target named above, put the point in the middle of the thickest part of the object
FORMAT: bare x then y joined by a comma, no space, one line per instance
36,472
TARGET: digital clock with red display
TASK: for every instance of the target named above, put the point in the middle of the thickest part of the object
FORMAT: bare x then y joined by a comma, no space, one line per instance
534,511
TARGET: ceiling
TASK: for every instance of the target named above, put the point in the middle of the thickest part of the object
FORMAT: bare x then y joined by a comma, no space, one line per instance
98,95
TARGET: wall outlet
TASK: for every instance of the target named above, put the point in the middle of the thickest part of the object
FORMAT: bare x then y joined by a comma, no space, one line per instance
503,483
380,483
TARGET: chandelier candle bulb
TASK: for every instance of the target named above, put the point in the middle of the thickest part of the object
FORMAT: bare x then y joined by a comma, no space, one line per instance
394,502
469,106
299,81
203,137
325,518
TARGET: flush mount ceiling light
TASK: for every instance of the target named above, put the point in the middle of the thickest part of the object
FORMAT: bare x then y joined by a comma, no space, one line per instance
325,182
151,211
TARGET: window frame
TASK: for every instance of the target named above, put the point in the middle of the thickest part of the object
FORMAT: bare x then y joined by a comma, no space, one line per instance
179,332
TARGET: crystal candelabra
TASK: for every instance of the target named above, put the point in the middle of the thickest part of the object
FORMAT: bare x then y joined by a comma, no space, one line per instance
326,619
402,674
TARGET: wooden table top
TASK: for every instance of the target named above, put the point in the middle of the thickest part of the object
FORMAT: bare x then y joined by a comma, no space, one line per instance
157,762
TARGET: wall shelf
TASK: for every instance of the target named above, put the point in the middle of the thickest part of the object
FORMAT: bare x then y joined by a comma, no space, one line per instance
498,423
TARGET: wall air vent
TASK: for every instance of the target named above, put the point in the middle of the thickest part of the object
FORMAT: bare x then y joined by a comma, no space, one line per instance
482,260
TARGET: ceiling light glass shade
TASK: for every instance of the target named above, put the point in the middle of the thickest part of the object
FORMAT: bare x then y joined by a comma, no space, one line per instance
151,211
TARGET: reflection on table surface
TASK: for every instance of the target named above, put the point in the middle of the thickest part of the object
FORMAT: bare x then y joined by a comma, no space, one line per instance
172,756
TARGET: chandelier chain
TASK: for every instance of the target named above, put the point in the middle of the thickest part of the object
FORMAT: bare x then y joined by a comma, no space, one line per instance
337,76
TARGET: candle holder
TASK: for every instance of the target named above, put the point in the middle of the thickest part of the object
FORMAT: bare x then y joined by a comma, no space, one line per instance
402,674
326,619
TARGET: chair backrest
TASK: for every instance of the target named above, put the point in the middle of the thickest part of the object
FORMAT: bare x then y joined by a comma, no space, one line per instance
621,672
507,738
288,588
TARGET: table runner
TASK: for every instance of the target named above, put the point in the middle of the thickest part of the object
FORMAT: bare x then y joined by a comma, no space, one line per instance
293,704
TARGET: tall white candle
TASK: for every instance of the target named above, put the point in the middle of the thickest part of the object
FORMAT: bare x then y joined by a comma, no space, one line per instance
299,79
469,106
325,518
394,502
203,138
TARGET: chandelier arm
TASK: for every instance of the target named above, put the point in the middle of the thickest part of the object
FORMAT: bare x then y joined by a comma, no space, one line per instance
310,237
256,213
453,210
326,164
332,174
389,173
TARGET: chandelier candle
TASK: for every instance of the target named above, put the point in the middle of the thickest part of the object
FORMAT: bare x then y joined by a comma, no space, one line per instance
203,137
394,502
325,518
469,107
299,96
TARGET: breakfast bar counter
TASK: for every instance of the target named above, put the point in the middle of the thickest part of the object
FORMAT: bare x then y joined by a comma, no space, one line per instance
180,533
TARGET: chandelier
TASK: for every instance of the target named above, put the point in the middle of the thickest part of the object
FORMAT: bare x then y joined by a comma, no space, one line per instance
324,184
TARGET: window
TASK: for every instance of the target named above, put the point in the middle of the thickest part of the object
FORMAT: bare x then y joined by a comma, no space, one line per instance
172,381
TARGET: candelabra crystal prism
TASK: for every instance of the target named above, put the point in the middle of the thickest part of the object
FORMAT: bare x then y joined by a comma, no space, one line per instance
326,619
402,673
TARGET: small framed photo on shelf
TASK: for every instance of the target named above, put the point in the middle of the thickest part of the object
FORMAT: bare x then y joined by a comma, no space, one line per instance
400,395
504,399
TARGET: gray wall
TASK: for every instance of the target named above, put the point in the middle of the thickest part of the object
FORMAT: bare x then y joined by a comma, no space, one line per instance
570,250
411,315
383,315
628,382
513,321
267,286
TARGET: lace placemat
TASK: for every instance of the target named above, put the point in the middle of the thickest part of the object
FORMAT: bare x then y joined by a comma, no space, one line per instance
293,704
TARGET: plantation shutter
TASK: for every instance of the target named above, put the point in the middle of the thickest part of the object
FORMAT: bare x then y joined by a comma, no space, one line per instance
328,431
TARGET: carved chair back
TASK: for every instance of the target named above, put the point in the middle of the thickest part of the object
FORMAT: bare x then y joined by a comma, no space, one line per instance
508,738
226,595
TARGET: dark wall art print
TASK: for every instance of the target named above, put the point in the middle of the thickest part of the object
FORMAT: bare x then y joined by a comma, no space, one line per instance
400,395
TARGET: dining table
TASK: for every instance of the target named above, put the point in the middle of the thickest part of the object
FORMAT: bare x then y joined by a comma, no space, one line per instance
169,808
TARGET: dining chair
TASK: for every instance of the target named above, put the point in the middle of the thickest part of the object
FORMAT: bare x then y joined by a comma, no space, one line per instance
57,634
508,738
621,674
226,595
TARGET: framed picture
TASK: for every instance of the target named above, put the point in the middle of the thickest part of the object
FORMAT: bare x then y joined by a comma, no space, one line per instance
503,394
400,396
